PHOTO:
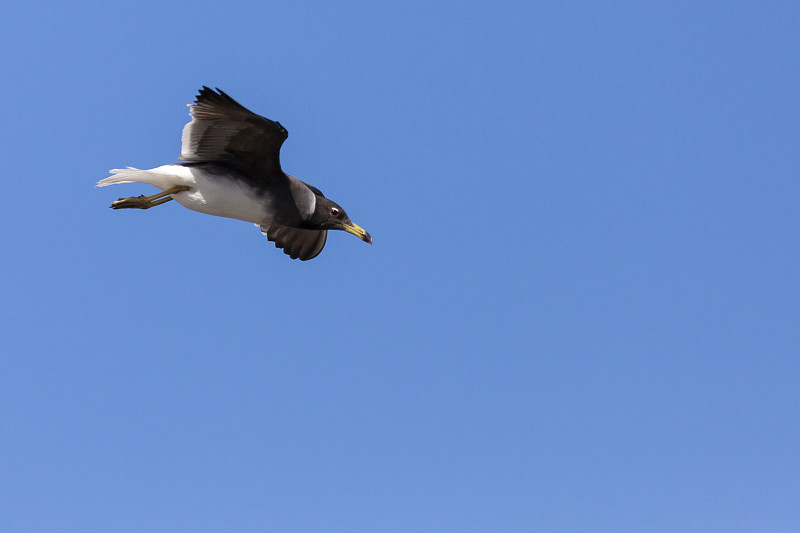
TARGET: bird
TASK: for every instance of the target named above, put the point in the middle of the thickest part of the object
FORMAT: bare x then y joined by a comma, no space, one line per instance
230,167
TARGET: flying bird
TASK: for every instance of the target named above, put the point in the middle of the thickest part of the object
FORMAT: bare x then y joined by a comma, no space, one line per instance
231,168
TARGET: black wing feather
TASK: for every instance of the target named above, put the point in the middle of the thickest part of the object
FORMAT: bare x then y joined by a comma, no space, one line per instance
303,244
224,131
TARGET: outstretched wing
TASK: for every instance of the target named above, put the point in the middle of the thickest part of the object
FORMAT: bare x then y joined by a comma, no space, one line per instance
224,131
303,244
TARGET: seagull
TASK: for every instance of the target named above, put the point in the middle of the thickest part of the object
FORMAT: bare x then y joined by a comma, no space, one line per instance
231,168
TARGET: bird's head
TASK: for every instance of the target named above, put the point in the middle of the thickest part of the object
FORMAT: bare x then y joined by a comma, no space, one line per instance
329,215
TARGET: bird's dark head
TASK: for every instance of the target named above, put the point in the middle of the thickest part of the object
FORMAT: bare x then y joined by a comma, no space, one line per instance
329,215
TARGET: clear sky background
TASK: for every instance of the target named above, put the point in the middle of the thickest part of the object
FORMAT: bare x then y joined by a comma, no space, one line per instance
580,312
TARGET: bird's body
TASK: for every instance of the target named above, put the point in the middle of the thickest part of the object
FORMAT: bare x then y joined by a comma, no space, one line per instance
232,170
213,190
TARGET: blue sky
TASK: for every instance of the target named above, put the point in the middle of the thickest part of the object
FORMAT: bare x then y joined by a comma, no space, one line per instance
580,311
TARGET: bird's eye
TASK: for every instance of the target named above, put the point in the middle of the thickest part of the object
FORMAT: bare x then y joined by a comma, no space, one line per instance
334,212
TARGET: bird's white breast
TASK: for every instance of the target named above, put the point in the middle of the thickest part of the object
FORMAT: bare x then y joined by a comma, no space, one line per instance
216,195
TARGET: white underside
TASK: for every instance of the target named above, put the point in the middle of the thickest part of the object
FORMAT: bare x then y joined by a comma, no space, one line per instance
208,194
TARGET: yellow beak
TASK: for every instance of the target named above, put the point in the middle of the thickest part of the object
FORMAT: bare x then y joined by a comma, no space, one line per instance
358,231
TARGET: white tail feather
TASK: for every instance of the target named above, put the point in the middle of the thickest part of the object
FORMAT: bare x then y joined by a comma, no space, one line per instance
160,177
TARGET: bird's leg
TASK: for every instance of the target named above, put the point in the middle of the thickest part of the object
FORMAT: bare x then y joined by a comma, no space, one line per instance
146,202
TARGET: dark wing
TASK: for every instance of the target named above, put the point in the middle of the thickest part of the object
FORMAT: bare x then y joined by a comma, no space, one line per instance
303,244
223,131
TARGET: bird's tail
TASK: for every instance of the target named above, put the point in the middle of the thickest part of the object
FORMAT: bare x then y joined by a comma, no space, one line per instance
134,175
